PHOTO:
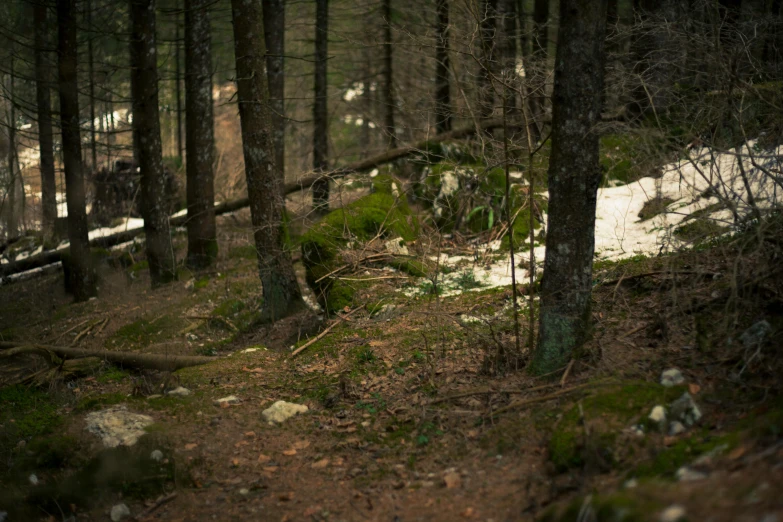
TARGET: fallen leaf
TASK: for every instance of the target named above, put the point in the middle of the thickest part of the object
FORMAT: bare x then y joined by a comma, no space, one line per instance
320,464
289,452
694,388
468,513
452,480
241,443
235,462
250,434
263,459
270,469
191,446
302,444
737,452
285,497
253,370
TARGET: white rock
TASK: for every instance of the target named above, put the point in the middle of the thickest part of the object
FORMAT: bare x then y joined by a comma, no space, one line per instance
244,491
179,391
686,474
673,513
685,410
672,377
231,399
675,428
156,455
119,512
33,478
658,414
396,247
249,350
281,411
117,426
190,284
630,483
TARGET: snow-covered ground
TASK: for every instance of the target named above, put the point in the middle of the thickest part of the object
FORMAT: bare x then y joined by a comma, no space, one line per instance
706,181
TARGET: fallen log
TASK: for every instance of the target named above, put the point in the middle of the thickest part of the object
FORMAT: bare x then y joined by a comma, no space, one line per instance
55,256
149,361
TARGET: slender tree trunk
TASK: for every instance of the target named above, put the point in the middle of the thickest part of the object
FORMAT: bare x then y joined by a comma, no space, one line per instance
265,182
320,115
91,73
541,29
146,125
574,177
178,83
487,31
12,208
507,25
388,84
199,134
45,138
442,84
274,32
80,275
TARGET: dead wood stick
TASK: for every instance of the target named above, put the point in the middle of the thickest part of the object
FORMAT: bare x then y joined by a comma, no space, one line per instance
152,361
85,332
356,263
102,326
566,372
71,329
543,398
162,500
323,334
628,334
654,273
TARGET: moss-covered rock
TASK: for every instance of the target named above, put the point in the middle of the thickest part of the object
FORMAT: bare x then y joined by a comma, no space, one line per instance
384,213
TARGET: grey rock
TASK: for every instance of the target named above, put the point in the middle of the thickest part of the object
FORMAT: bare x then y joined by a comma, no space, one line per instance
3,516
385,313
685,410
658,416
33,479
117,426
120,512
672,377
630,483
755,334
156,455
281,411
673,513
179,391
676,427
686,474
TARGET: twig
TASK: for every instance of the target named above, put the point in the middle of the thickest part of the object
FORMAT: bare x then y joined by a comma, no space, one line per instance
163,500
85,332
628,334
102,326
567,371
214,318
544,398
489,391
71,329
323,334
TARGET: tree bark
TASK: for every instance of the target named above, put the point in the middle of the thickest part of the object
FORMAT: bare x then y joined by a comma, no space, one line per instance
274,32
541,29
388,84
320,115
281,293
442,84
487,31
45,137
82,275
12,204
574,177
91,73
199,136
178,84
146,126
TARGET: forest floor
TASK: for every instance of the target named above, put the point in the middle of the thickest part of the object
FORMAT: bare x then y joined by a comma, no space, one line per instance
414,410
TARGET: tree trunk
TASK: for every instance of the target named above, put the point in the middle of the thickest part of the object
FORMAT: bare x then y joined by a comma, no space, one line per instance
91,73
199,135
178,84
12,206
541,29
281,293
388,84
45,138
274,32
574,177
81,280
442,85
320,116
487,31
146,126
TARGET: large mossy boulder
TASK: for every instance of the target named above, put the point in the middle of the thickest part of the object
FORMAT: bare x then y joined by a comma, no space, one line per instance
383,213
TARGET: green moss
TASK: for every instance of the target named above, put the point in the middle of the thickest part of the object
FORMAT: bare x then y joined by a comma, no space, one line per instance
699,229
615,408
616,507
670,459
379,213
94,402
139,266
112,375
229,308
144,332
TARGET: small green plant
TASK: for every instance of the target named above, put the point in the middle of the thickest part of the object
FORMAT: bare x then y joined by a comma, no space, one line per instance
365,355
466,280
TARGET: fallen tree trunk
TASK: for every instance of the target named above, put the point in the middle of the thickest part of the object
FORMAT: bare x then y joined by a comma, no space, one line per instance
54,256
149,361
